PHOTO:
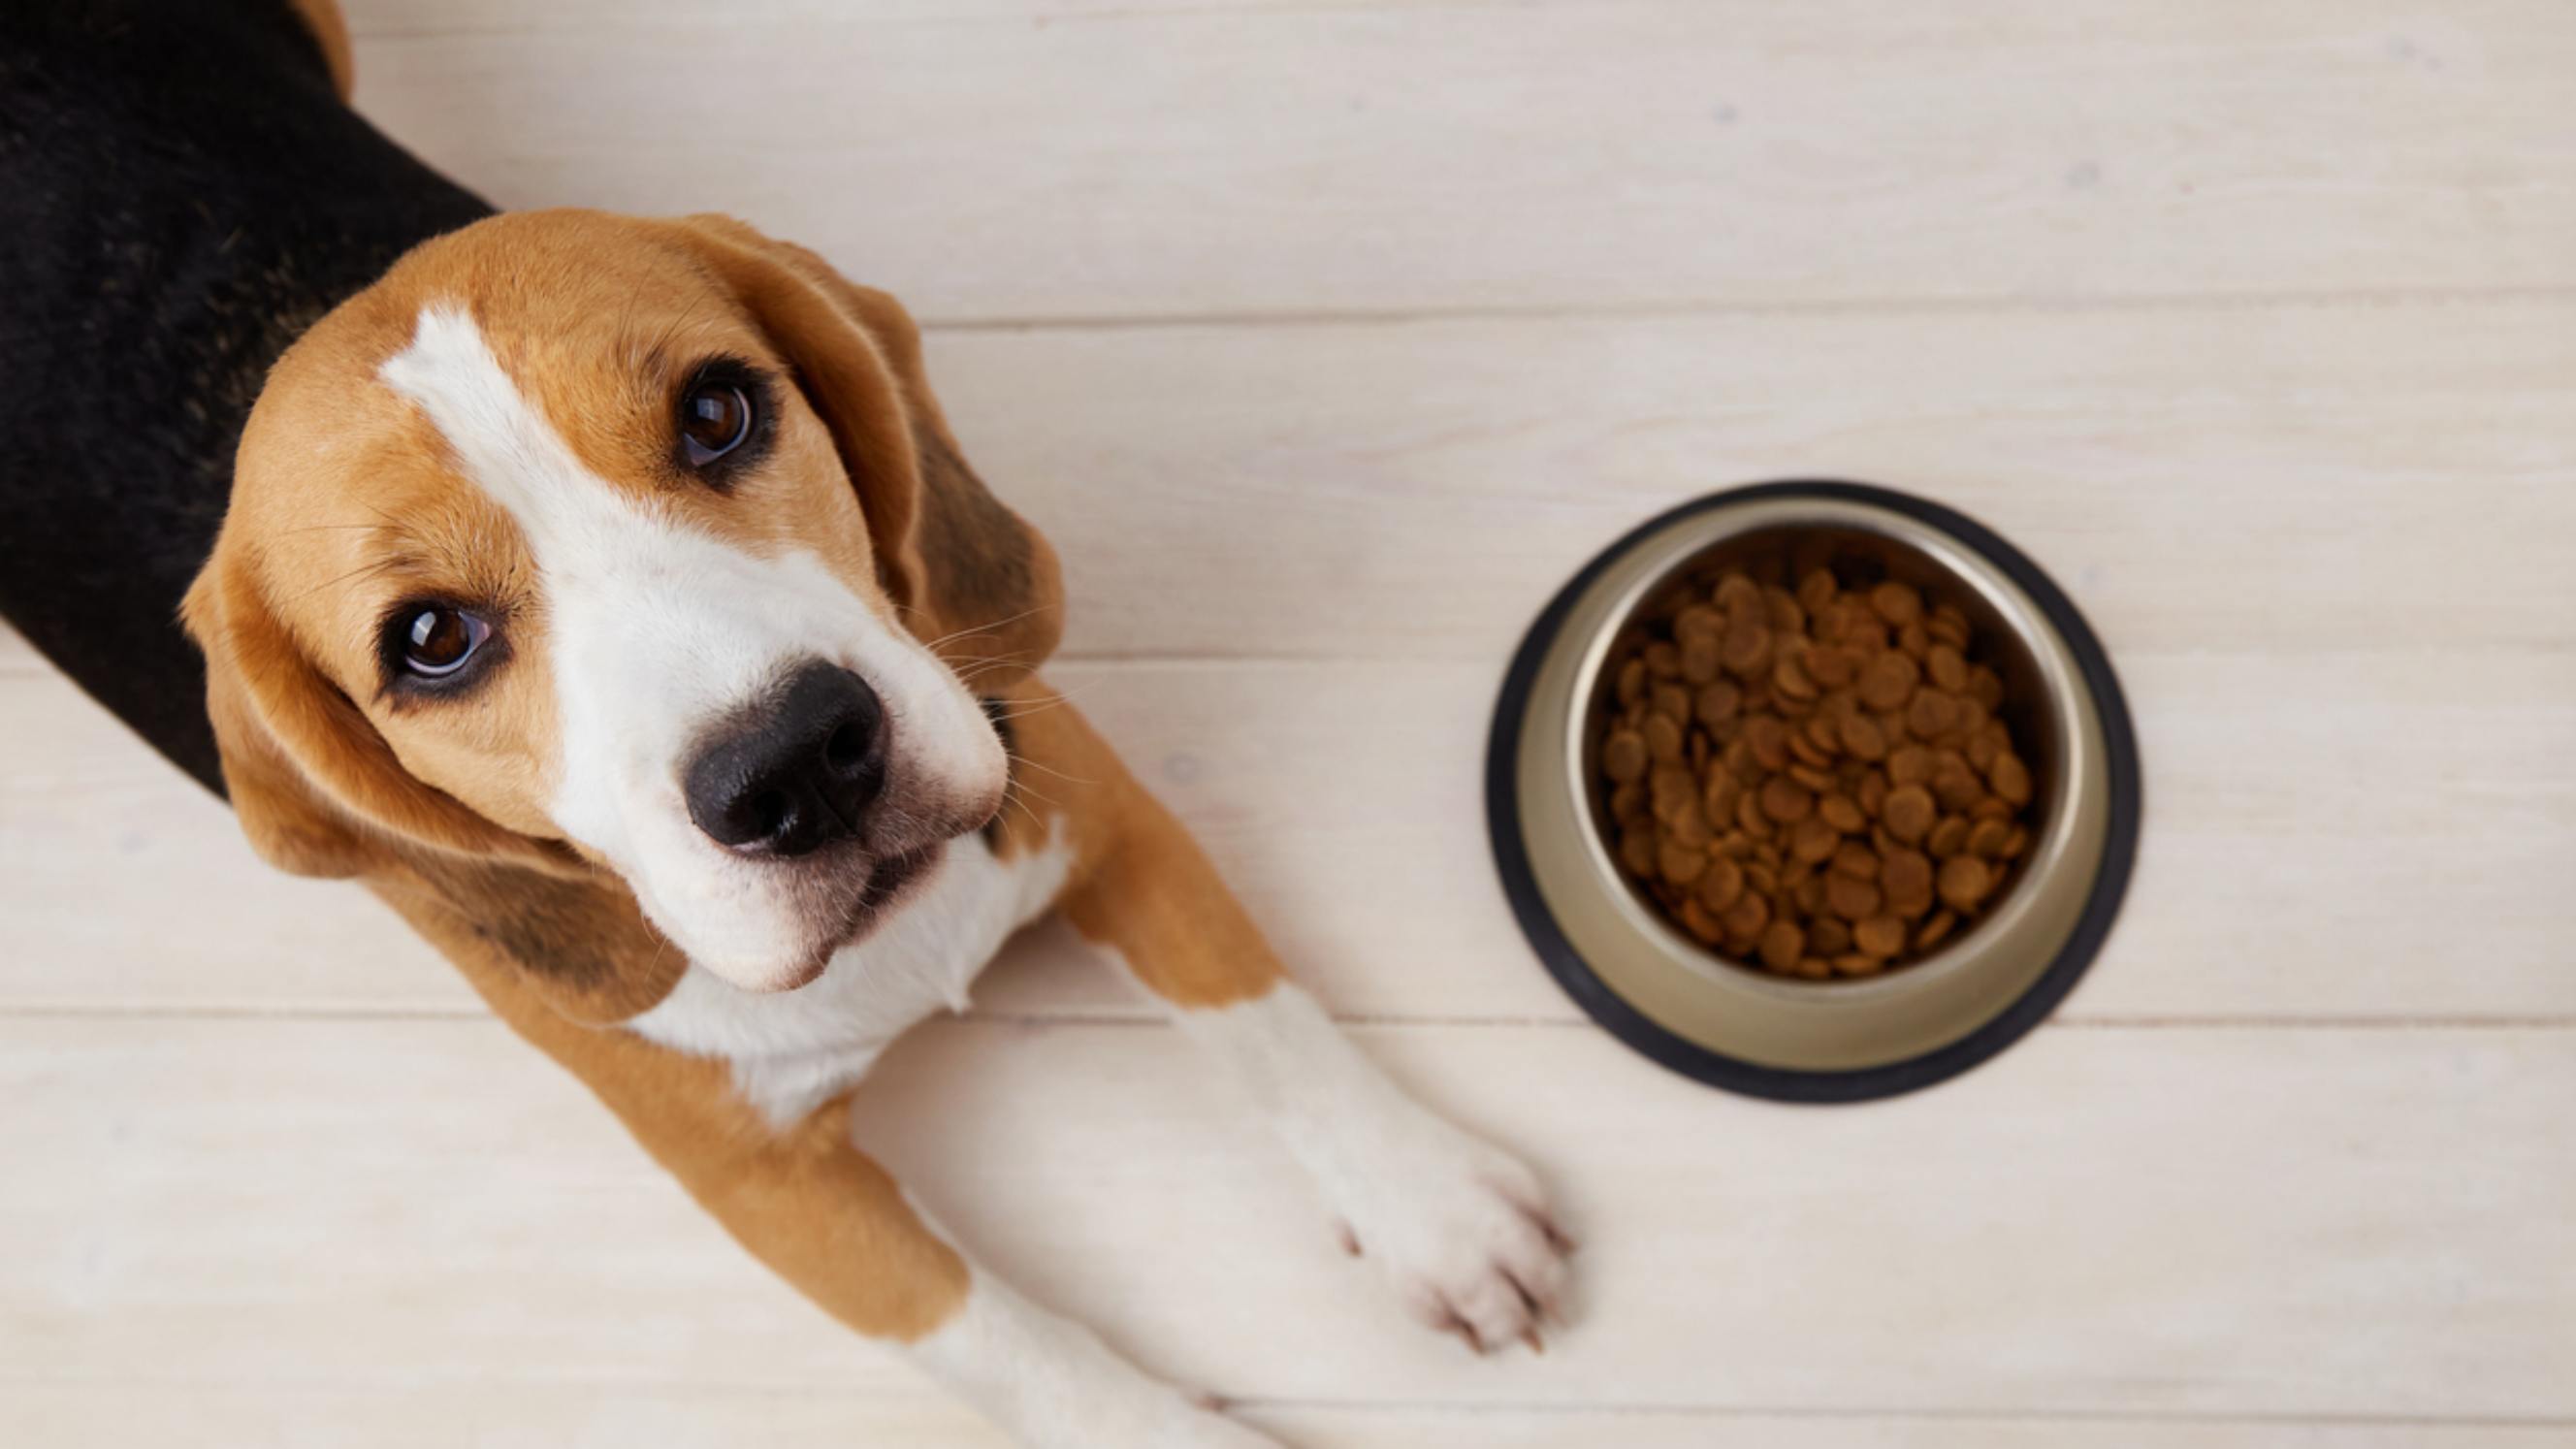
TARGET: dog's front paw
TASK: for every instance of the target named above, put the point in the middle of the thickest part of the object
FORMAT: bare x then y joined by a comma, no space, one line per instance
1462,1229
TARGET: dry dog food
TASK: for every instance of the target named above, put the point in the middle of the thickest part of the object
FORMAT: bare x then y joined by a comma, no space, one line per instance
1814,782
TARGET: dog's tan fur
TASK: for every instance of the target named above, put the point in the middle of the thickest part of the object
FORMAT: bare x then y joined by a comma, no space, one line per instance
448,825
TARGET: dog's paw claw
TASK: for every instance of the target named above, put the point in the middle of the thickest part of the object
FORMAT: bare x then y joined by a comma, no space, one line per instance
1465,1234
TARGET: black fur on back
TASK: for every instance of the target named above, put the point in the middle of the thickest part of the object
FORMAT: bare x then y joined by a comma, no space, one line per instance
181,195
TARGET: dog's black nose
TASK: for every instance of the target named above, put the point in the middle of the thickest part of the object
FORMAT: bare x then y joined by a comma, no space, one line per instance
796,772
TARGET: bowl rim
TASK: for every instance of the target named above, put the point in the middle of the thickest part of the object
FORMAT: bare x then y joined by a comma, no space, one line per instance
1790,1084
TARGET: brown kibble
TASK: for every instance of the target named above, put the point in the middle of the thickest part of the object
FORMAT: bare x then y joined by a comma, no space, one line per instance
1769,740
1689,826
1908,813
1852,898
1817,781
1623,756
1986,687
1909,765
1825,734
1955,785
1680,864
1747,651
1628,803
1670,788
2011,778
1746,918
1789,679
1637,851
1981,750
1721,883
1906,877
1807,891
1803,748
1896,603
1782,944
1813,840
1863,738
1829,935
1735,594
1872,792
1809,781
1663,739
1699,658
1879,936
1717,797
1965,880
1738,759
1696,920
1786,800
1888,681
1749,816
1831,665
1716,702
1932,713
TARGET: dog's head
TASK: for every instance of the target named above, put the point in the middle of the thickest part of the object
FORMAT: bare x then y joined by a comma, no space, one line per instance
584,543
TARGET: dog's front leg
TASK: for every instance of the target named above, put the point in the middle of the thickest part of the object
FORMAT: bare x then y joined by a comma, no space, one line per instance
1460,1227
808,1203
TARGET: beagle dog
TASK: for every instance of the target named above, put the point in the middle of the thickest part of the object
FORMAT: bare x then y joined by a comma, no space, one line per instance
611,597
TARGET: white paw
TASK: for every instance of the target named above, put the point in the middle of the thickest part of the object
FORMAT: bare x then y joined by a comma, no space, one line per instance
1463,1231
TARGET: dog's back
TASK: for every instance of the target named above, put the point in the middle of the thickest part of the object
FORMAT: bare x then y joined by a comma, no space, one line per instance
183,191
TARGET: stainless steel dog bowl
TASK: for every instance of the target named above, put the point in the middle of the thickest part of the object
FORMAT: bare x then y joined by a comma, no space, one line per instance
1663,993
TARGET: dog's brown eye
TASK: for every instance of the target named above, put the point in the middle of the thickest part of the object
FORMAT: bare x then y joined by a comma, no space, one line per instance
436,640
714,419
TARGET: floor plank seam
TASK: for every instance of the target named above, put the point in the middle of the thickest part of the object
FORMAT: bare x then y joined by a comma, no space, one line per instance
2281,1419
42,1010
1681,309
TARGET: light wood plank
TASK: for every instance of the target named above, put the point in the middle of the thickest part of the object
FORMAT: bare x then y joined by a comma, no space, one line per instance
384,19
2241,480
2161,1223
2347,836
617,1415
1595,155
2249,481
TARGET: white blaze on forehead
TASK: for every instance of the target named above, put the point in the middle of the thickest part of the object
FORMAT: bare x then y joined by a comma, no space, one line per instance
655,631
504,446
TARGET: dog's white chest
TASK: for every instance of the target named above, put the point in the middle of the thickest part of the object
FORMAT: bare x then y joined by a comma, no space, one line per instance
792,1050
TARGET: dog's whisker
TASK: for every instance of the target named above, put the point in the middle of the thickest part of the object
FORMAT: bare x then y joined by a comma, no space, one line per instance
1021,759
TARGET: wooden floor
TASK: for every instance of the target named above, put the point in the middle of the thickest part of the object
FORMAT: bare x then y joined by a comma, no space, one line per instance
1326,337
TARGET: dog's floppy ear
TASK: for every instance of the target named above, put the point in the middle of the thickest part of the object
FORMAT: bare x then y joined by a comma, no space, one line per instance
318,790
964,567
